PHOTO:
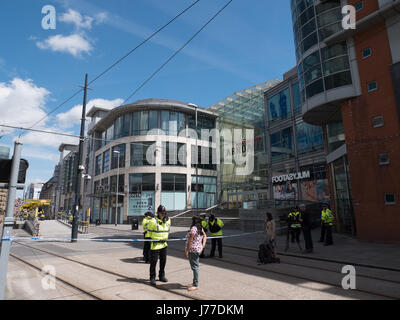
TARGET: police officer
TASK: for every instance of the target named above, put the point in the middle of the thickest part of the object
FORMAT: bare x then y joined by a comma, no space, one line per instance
326,225
215,225
295,226
148,216
159,228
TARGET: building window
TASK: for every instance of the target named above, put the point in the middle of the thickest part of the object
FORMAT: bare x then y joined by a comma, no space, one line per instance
114,181
206,191
279,106
384,159
121,126
106,161
141,193
114,158
390,199
366,53
296,99
359,6
139,154
206,157
378,122
309,138
372,86
335,135
282,145
173,154
173,191
109,134
98,165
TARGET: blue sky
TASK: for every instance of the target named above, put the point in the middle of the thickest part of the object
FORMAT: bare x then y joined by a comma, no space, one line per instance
249,43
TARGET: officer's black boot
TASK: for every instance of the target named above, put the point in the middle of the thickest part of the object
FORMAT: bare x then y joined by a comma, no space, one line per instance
153,281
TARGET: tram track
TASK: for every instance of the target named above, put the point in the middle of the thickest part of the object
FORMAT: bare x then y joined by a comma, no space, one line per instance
61,279
342,263
288,274
109,272
240,251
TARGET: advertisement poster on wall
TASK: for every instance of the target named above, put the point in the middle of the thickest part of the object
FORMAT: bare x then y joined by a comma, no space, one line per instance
139,203
315,190
287,191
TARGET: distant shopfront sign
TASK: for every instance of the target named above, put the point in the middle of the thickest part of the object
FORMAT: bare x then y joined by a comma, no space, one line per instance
139,203
291,177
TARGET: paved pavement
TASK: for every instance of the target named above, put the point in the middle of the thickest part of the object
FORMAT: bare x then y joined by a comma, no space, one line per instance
237,276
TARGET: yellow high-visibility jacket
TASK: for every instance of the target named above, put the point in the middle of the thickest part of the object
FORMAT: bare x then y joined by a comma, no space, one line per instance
158,231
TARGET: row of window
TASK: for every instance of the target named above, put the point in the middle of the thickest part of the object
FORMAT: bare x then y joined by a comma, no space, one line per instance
279,106
142,182
141,122
312,24
144,154
323,70
309,139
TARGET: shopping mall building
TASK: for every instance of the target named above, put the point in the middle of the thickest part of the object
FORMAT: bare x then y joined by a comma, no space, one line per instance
349,83
144,155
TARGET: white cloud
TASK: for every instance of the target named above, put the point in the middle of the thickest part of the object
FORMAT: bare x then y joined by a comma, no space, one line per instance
39,153
74,17
73,116
21,102
40,139
74,44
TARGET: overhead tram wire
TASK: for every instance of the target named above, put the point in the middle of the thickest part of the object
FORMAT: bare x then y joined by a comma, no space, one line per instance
118,61
143,42
176,52
68,135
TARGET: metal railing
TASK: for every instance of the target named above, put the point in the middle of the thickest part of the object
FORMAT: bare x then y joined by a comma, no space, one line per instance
83,226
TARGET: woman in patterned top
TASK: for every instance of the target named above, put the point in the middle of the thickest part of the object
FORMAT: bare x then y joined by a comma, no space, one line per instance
195,242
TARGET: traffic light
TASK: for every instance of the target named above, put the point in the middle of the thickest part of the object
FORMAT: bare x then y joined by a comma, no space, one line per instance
5,170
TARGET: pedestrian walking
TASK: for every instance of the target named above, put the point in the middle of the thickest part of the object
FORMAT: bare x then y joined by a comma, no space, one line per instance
306,223
159,229
148,216
215,226
270,228
326,225
195,243
204,224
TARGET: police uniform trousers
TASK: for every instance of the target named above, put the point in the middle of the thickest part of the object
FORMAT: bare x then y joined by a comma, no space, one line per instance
308,238
213,246
328,230
295,232
146,249
154,254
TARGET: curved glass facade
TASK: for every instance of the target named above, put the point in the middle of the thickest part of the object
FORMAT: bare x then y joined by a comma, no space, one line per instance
327,67
139,123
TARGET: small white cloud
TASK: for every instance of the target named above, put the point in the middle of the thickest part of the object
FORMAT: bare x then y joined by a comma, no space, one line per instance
74,17
73,116
73,44
101,17
21,102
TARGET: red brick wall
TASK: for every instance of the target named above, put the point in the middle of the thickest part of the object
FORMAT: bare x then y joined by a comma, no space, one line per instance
370,182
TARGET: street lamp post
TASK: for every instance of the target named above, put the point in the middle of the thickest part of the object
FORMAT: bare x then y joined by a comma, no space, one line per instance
116,200
197,160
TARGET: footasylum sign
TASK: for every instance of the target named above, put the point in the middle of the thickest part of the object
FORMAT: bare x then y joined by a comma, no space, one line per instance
291,177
